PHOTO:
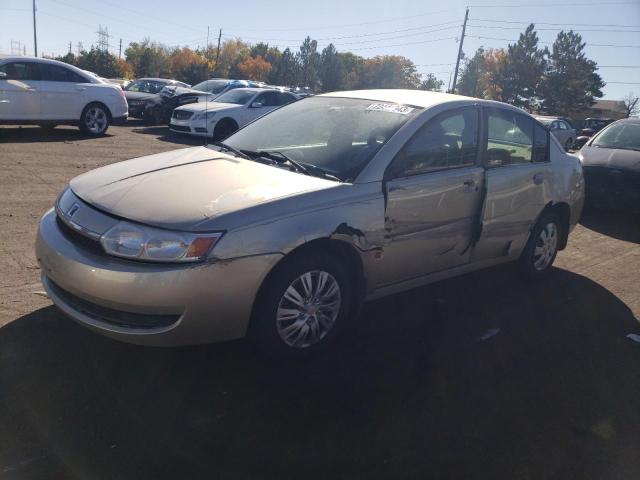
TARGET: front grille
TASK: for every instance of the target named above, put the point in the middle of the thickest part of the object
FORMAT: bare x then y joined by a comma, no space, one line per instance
182,115
108,315
79,239
180,128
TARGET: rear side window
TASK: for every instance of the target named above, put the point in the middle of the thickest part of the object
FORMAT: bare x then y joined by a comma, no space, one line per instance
56,73
20,71
449,140
540,143
284,98
509,138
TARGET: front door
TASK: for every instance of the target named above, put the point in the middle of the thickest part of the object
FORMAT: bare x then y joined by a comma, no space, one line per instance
19,95
519,181
433,191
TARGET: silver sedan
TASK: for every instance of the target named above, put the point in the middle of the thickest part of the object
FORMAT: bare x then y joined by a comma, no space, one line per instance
283,231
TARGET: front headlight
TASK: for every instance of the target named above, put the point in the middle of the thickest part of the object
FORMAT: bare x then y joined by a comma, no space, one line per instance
204,116
139,242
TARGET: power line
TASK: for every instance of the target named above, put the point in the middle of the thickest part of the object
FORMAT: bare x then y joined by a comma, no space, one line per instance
538,5
558,24
550,43
499,27
624,83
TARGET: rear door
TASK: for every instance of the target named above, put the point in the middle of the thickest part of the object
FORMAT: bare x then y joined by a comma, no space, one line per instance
63,93
19,95
433,188
519,181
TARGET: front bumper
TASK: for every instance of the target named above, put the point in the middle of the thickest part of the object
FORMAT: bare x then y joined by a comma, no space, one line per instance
119,120
191,127
146,303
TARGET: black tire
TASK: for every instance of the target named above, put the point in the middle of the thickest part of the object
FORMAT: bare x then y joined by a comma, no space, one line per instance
95,129
263,330
529,257
153,116
224,128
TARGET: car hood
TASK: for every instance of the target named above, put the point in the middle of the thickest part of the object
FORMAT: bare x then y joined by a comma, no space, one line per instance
173,91
139,95
185,189
610,157
208,106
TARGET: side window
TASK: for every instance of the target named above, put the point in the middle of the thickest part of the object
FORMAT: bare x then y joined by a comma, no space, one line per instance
541,143
449,140
509,138
268,99
284,98
55,73
563,125
20,71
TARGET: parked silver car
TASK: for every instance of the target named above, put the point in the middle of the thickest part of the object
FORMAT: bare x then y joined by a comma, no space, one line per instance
561,129
285,230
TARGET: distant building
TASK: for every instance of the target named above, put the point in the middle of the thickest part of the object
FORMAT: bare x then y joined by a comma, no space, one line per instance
605,108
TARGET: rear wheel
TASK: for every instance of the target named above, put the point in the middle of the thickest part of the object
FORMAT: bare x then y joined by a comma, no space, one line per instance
95,119
542,247
303,306
224,128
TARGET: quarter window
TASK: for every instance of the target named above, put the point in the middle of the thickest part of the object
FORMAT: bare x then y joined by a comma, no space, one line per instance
541,143
510,138
449,140
56,73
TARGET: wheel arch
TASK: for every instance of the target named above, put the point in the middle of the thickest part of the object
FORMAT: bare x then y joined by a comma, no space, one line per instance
342,249
563,211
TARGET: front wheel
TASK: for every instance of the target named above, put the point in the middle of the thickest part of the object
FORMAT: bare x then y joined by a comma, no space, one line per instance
302,307
94,120
541,249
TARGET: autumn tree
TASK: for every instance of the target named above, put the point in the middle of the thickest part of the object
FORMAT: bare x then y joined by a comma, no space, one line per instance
125,70
188,66
232,53
493,76
571,82
352,67
255,68
389,71
148,59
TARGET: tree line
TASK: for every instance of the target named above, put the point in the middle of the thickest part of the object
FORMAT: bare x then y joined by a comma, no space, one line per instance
560,81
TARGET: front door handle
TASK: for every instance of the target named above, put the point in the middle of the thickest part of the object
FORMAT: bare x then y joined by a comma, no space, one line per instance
470,186
538,178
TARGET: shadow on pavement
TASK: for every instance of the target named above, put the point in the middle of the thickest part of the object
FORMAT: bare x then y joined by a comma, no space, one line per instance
33,133
621,225
413,393
164,134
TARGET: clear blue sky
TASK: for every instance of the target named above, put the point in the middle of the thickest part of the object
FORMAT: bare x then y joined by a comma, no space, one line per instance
425,31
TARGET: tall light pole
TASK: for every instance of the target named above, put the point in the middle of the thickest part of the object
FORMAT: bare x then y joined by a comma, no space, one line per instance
35,35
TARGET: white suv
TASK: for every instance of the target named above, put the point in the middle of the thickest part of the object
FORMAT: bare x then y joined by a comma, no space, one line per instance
48,92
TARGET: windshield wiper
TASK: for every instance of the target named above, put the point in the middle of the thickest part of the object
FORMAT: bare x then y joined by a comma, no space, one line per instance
233,150
278,157
301,167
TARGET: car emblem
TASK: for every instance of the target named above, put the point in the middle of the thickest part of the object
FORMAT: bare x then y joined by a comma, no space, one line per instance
73,210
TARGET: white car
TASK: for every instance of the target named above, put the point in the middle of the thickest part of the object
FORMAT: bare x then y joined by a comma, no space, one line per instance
228,112
48,93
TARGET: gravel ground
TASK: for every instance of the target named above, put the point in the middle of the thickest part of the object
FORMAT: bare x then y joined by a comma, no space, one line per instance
481,376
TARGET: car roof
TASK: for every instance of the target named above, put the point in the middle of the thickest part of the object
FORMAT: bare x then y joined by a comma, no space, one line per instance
156,79
49,61
254,89
635,121
417,98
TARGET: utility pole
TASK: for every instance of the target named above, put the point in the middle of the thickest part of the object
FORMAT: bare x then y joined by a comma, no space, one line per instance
455,75
120,50
218,50
35,35
69,47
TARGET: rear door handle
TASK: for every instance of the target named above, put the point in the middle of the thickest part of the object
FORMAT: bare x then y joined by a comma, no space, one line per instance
470,186
538,178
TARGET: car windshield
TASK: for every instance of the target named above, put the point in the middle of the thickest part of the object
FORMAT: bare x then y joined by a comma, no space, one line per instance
625,136
337,135
211,86
238,97
145,86
595,123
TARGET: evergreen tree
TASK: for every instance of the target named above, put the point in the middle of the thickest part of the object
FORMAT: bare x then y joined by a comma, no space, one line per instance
525,66
308,61
432,83
285,70
470,78
571,83
331,69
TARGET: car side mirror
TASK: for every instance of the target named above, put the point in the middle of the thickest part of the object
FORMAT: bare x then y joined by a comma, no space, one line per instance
256,105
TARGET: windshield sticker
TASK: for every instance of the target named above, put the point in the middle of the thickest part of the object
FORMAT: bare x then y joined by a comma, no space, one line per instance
390,108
